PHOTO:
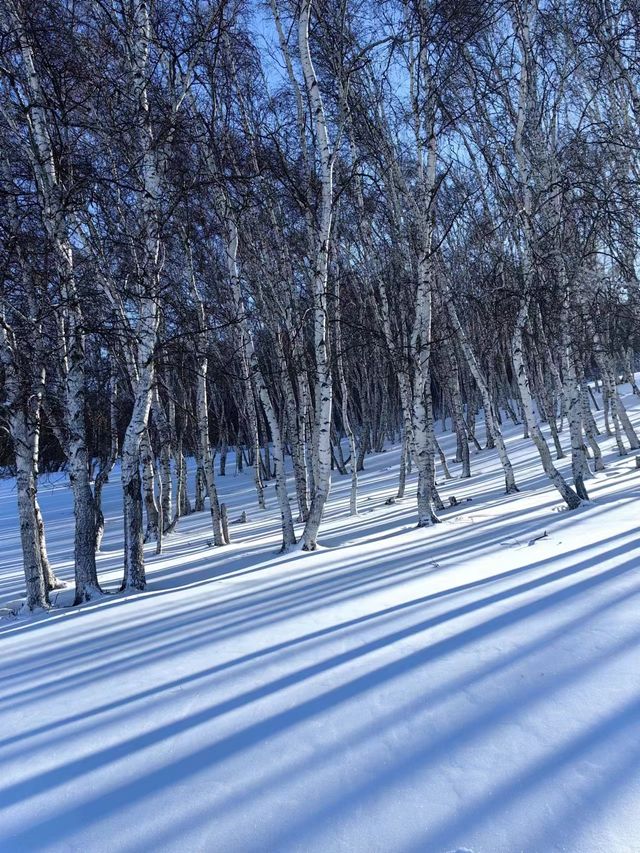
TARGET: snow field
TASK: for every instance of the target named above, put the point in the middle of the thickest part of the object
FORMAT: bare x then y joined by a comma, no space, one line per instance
472,686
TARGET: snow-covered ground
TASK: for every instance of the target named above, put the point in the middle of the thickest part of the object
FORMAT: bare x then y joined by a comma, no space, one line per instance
467,687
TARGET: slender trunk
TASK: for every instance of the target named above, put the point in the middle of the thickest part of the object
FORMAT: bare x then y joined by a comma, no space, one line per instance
108,463
462,440
165,440
149,488
296,427
87,587
34,424
443,460
36,585
607,422
134,572
50,578
629,375
337,456
590,428
611,400
323,382
402,477
252,418
160,528
579,465
569,496
627,426
346,421
183,504
200,489
435,497
204,451
134,577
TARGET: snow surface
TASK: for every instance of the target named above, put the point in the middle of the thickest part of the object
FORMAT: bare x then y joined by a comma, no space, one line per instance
468,687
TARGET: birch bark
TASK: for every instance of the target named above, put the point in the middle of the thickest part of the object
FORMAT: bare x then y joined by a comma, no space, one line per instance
323,381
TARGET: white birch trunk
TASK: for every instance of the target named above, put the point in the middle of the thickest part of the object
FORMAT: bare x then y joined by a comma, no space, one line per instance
134,571
37,591
295,420
149,488
25,446
254,435
148,320
204,451
323,382
165,437
107,464
579,466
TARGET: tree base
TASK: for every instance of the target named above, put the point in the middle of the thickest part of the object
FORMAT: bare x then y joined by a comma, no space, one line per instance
88,593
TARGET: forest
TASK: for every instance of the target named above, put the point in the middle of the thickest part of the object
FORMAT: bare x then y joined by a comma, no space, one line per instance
319,426
299,231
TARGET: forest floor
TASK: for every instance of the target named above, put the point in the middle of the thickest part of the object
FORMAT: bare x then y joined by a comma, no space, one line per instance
471,686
